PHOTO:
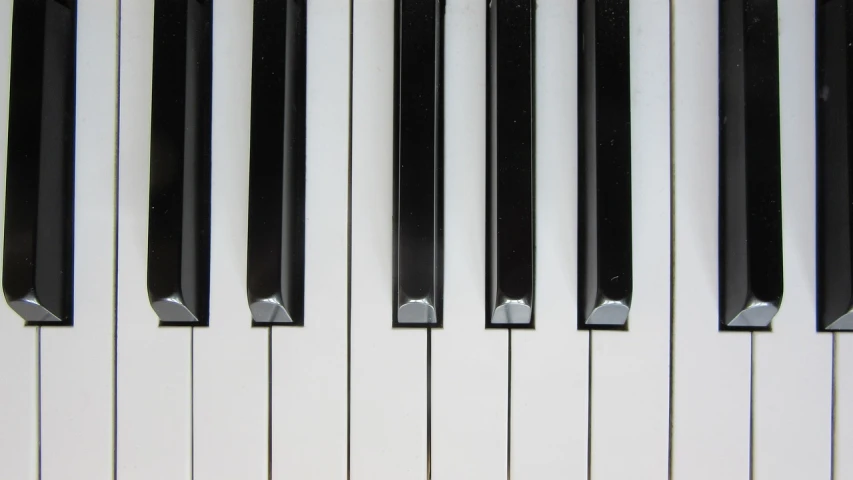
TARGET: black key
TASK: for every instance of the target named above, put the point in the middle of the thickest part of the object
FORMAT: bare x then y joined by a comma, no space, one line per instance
604,167
509,163
418,163
750,182
834,165
276,253
179,215
38,265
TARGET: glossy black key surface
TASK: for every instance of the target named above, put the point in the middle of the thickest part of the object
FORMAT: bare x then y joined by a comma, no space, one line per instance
179,214
604,164
418,163
509,163
834,165
38,272
750,183
276,248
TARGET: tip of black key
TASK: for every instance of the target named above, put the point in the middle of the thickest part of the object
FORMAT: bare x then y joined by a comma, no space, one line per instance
416,313
512,313
608,315
173,312
34,313
844,323
271,311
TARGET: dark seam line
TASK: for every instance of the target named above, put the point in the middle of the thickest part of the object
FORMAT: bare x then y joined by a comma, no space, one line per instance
349,246
192,403
589,410
429,403
832,408
509,406
38,402
115,242
671,233
751,403
269,403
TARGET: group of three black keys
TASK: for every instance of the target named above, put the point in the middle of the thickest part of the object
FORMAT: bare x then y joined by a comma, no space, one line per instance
38,252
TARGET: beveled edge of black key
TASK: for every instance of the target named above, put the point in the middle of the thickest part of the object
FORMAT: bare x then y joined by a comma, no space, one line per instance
503,301
423,312
430,308
175,308
35,314
511,313
844,323
271,312
608,314
754,316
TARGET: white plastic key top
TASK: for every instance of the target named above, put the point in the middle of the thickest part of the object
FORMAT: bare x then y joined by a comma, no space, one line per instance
77,363
550,366
792,376
388,421
230,357
469,362
711,369
18,344
309,397
153,402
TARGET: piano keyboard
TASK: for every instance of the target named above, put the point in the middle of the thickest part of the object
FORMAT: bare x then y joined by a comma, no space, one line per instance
426,239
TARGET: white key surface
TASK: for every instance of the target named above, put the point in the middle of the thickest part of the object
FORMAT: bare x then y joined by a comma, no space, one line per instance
230,357
469,362
153,364
309,363
388,428
711,369
630,370
843,418
18,344
77,364
792,365
550,381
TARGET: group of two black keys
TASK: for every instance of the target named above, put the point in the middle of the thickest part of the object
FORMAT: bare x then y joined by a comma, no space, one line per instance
38,253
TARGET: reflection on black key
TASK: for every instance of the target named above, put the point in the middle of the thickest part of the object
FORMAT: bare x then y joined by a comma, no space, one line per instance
418,163
509,164
604,164
750,201
276,253
834,166
38,253
179,215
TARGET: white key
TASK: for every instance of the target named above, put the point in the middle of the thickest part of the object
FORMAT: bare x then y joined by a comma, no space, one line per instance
792,365
843,428
550,364
230,357
711,369
469,363
18,344
77,364
388,428
153,390
630,370
309,363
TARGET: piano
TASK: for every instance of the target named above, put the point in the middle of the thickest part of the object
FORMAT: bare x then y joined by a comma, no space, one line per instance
426,239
